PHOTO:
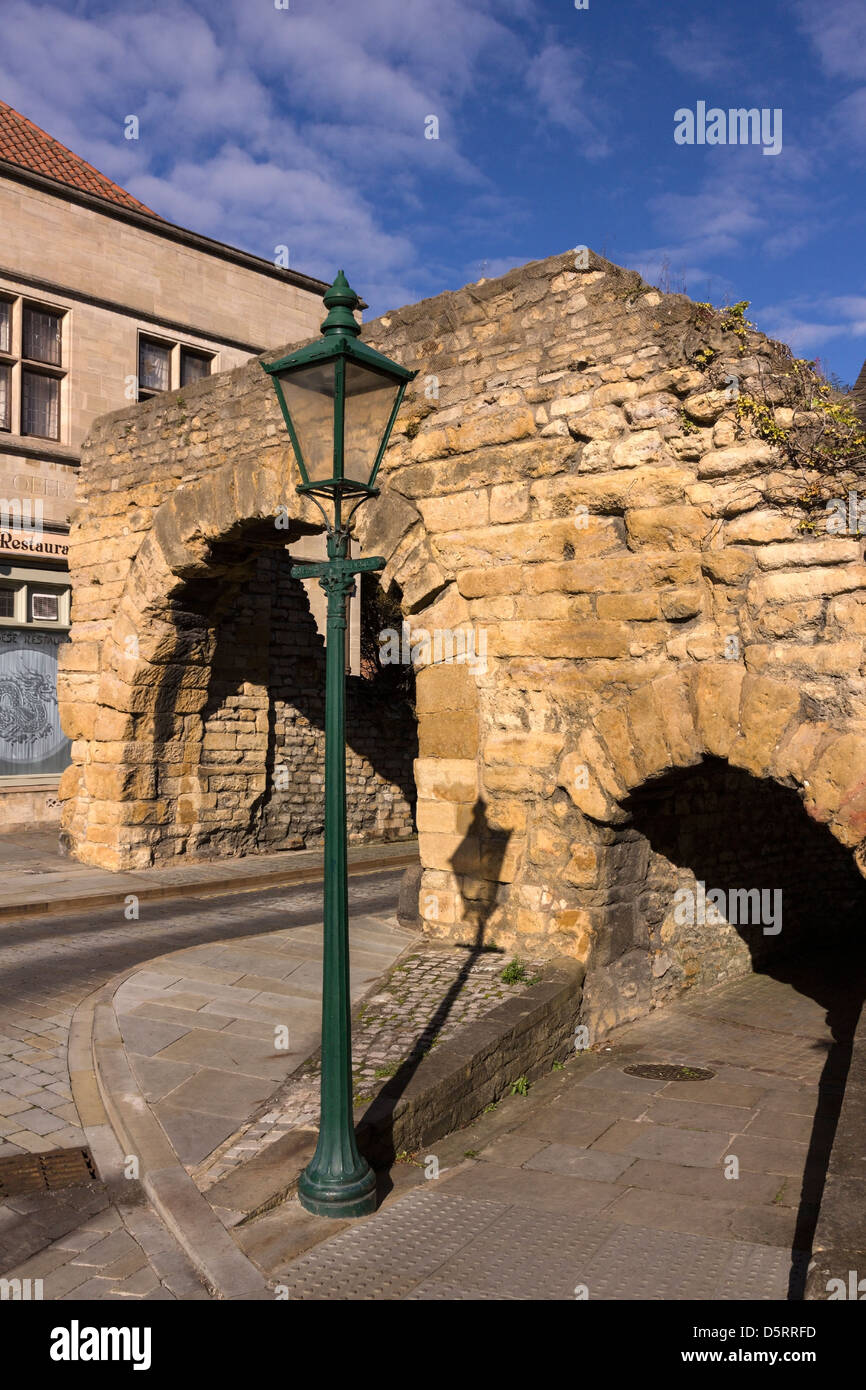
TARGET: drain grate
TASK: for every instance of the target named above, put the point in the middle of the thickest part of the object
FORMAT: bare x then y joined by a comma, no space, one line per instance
45,1172
664,1071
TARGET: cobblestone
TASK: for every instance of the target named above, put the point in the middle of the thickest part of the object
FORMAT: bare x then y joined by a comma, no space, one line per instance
397,1024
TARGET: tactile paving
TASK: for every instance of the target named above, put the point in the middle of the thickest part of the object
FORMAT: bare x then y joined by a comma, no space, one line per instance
430,1246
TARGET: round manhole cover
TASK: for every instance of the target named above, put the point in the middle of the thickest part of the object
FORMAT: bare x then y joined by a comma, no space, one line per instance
666,1072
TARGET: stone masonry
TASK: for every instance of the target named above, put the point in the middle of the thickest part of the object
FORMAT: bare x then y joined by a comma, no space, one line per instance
573,483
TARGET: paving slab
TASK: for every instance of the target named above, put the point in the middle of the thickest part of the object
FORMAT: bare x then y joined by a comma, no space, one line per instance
630,1201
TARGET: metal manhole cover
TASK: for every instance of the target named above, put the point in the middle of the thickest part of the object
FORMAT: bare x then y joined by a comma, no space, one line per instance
663,1071
45,1172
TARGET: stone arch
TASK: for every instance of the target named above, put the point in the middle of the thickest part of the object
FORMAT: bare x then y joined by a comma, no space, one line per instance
135,703
718,709
710,713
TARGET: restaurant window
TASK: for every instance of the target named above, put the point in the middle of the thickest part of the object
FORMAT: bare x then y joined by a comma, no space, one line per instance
34,622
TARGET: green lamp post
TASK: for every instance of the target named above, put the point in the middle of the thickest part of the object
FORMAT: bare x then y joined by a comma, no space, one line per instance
339,400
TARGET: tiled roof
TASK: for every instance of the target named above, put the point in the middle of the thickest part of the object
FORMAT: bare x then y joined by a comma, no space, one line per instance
24,144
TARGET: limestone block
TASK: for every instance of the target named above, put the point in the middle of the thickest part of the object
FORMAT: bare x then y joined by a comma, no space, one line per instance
649,746
526,542
836,786
106,783
501,427
831,551
453,738
705,406
628,574
648,412
716,690
456,510
639,449
447,686
760,527
559,639
509,502
720,463
671,696
784,587
667,528
481,583
611,722
607,422
822,658
572,405
506,813
547,845
381,527
444,817
530,749
584,867
644,607
767,707
615,393
731,566
447,779
849,613
681,604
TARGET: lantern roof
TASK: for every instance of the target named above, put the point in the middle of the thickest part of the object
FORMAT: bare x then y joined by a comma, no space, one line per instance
340,338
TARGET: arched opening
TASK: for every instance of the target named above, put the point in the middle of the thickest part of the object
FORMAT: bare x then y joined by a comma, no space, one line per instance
714,874
242,770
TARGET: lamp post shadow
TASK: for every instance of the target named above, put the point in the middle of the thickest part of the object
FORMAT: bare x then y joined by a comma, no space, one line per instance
482,850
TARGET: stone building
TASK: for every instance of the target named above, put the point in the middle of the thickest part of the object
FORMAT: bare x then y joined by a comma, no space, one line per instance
617,498
102,302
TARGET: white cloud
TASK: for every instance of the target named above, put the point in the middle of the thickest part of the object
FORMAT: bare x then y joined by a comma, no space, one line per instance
263,127
696,49
837,28
556,77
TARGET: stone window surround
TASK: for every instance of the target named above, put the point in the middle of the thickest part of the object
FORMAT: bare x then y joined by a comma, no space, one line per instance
177,351
14,359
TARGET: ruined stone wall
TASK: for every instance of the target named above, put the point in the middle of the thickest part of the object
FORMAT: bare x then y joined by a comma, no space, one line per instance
571,484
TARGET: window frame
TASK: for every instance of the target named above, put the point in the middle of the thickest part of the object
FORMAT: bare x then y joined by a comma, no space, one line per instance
198,355
29,370
19,366
147,393
177,351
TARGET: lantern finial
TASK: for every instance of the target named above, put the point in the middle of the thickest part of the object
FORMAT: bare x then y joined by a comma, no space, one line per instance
341,300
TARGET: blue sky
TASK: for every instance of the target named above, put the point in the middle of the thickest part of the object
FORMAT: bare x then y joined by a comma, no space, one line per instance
305,127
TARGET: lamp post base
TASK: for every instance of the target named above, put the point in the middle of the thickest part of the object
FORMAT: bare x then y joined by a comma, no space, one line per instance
331,1197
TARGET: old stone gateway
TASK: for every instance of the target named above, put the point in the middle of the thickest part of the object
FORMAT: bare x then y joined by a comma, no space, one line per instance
606,490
